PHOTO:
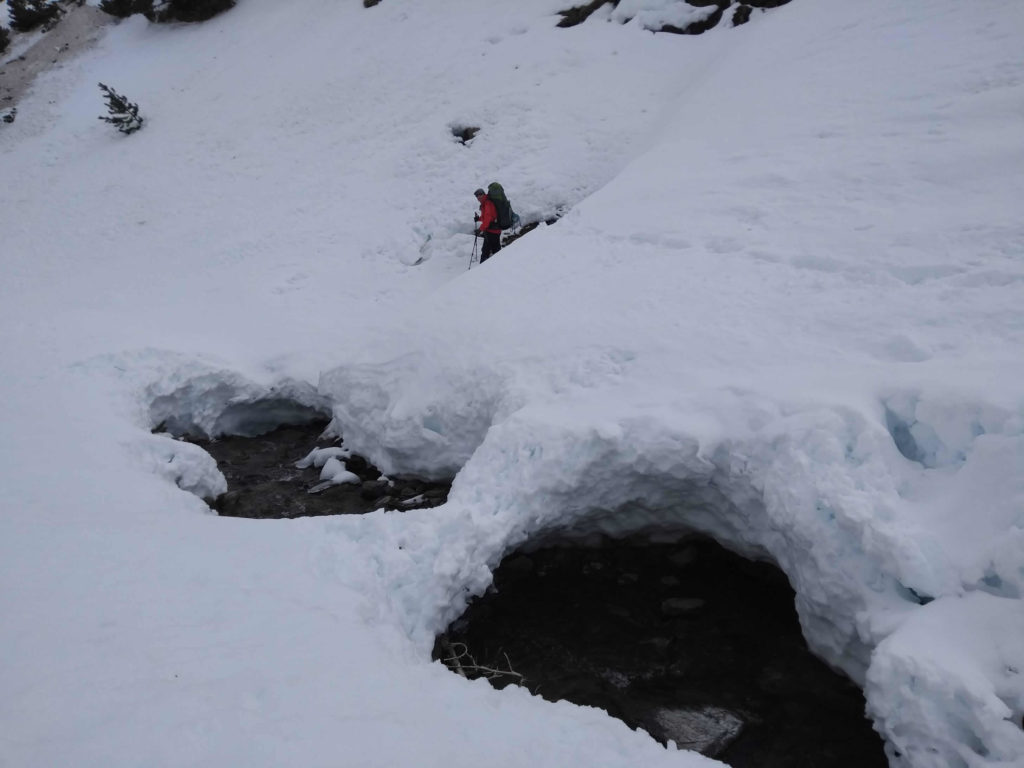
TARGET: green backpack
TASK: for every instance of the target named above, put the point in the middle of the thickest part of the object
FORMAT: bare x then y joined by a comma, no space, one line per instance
506,216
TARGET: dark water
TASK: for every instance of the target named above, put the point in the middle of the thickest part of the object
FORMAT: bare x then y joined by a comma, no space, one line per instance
687,641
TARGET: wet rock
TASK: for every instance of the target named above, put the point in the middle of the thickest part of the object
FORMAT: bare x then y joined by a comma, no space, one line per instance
684,557
708,730
701,26
228,503
660,643
361,467
680,606
619,611
373,490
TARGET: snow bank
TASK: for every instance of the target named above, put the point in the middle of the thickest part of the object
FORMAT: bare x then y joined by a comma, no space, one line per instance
763,329
946,687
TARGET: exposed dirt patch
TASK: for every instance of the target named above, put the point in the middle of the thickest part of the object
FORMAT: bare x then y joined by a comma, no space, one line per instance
465,133
264,481
78,30
687,641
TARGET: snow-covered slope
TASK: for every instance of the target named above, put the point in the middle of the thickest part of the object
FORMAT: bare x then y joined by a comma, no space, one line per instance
784,308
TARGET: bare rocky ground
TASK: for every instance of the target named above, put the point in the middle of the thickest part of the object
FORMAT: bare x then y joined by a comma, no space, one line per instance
685,640
264,481
32,53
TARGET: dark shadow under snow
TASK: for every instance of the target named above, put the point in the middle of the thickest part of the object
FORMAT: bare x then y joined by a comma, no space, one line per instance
687,641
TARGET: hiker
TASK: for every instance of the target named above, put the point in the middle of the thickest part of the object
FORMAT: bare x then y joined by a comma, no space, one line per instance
487,226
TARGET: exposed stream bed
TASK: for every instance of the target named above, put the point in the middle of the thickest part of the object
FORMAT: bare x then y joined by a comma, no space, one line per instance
264,480
686,640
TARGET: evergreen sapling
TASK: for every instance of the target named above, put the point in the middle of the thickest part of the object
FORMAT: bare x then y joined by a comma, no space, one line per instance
122,113
26,15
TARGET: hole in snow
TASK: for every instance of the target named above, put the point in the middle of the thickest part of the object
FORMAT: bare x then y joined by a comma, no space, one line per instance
899,428
304,470
212,406
919,442
465,133
687,641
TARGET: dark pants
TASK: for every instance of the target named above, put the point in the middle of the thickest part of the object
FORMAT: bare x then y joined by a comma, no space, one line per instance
492,244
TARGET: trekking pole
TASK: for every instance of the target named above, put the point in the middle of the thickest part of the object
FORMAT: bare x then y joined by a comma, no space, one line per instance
472,256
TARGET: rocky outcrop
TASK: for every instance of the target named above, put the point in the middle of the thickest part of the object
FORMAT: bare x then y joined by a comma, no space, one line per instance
741,14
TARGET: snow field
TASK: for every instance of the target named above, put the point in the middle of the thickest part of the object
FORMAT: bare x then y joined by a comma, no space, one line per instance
783,309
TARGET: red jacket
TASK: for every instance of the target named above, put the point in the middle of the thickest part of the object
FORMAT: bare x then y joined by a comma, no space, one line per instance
489,217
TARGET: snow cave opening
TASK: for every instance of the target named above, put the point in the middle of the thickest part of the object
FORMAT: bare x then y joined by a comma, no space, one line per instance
684,639
300,468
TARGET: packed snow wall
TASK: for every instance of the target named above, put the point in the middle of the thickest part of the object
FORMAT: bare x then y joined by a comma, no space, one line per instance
822,491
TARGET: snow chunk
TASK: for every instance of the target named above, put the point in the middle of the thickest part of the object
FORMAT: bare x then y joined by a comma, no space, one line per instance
947,688
654,14
336,473
319,456
186,465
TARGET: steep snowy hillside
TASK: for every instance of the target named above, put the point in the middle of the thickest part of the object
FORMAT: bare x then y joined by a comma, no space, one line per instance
779,303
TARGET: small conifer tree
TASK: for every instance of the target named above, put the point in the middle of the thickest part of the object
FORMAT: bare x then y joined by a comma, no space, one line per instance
26,15
5,39
122,113
125,8
119,8
10,116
